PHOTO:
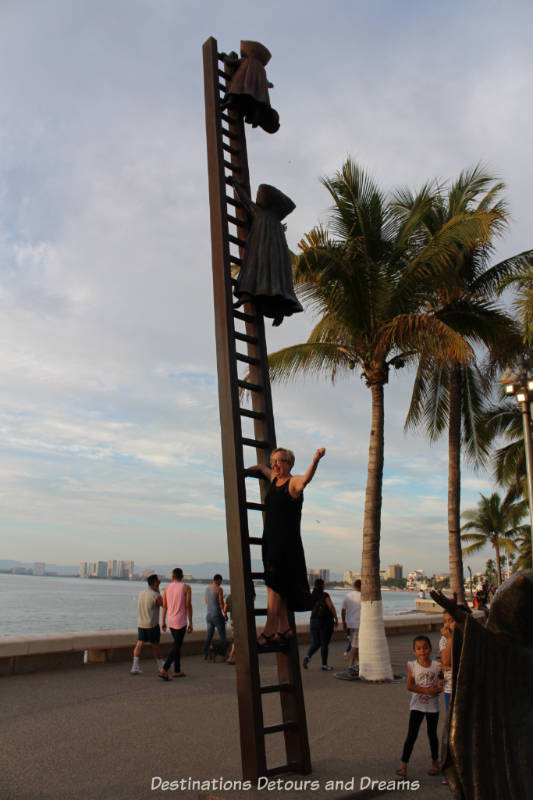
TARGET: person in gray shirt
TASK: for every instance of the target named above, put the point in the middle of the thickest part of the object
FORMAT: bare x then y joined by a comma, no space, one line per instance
148,630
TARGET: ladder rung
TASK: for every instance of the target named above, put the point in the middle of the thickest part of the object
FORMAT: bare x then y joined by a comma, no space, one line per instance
226,75
222,87
247,359
255,443
243,316
235,260
227,119
234,281
243,337
260,612
294,767
229,180
282,726
229,149
249,387
229,134
245,412
234,221
270,688
255,540
232,167
258,576
255,506
236,240
233,202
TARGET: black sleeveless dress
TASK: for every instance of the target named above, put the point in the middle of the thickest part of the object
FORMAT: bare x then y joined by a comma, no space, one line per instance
283,553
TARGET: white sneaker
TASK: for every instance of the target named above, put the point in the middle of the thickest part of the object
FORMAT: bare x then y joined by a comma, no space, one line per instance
326,667
135,670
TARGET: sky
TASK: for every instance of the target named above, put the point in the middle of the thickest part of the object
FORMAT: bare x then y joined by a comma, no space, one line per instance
110,436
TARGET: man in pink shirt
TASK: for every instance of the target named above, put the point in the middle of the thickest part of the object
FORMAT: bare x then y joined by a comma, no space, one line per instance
177,605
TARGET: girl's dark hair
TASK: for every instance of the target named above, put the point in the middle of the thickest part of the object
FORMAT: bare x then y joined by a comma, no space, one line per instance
318,591
422,638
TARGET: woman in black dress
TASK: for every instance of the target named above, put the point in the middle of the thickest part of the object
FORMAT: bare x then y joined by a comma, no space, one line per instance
283,555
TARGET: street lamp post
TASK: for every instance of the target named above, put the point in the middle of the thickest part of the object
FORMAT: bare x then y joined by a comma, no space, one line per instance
520,386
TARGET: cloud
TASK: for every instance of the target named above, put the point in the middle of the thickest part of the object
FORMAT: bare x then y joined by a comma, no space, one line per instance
108,398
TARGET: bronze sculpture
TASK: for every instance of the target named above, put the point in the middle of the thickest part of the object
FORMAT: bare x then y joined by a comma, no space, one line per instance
490,726
265,277
248,87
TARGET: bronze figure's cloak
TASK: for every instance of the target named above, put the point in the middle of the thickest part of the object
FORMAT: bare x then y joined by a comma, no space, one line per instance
248,88
265,277
490,726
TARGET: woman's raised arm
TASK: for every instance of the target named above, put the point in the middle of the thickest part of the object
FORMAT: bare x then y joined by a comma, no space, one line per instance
299,482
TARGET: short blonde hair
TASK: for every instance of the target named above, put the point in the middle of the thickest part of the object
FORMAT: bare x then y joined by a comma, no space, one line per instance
287,454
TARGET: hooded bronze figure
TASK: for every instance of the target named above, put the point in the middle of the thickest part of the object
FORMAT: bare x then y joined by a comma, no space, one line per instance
265,277
248,88
489,739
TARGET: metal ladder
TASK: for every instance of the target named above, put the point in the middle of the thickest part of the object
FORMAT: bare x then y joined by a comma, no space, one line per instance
240,343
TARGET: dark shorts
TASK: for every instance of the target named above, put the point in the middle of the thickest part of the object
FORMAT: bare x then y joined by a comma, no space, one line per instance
152,635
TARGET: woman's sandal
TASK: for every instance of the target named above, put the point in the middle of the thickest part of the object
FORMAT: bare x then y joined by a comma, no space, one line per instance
285,636
402,771
267,640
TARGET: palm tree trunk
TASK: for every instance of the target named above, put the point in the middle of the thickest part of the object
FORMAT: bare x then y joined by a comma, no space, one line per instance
374,656
371,588
498,561
454,484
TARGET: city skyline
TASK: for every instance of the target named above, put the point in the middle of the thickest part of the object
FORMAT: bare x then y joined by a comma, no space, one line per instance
108,399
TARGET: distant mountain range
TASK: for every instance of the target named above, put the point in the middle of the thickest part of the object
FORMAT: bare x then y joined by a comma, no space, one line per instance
205,569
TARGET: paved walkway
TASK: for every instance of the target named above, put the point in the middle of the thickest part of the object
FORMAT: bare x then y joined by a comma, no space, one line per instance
99,733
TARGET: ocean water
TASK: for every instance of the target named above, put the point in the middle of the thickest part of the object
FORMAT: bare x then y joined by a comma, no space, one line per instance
34,604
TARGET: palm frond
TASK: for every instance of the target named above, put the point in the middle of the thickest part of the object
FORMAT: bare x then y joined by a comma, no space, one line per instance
311,357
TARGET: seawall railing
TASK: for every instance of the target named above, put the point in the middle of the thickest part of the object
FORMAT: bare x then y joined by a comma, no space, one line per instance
38,652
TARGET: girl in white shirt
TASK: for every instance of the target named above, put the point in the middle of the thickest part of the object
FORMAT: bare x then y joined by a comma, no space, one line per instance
424,681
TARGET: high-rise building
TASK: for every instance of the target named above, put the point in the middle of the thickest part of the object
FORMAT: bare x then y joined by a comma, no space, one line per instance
84,570
112,569
313,574
125,569
97,569
350,577
38,568
395,571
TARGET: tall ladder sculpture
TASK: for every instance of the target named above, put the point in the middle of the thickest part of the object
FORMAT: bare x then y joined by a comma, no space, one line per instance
237,331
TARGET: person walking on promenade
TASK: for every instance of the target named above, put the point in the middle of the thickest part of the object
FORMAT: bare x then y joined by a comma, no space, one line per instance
351,617
177,604
323,620
425,684
148,630
215,617
282,549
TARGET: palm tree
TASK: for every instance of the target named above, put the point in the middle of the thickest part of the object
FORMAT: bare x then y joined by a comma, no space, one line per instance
495,522
450,396
523,302
366,275
504,419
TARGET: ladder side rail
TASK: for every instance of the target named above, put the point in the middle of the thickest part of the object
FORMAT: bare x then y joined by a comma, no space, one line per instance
248,688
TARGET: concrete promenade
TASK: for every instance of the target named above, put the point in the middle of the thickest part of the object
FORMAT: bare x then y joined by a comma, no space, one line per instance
102,734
